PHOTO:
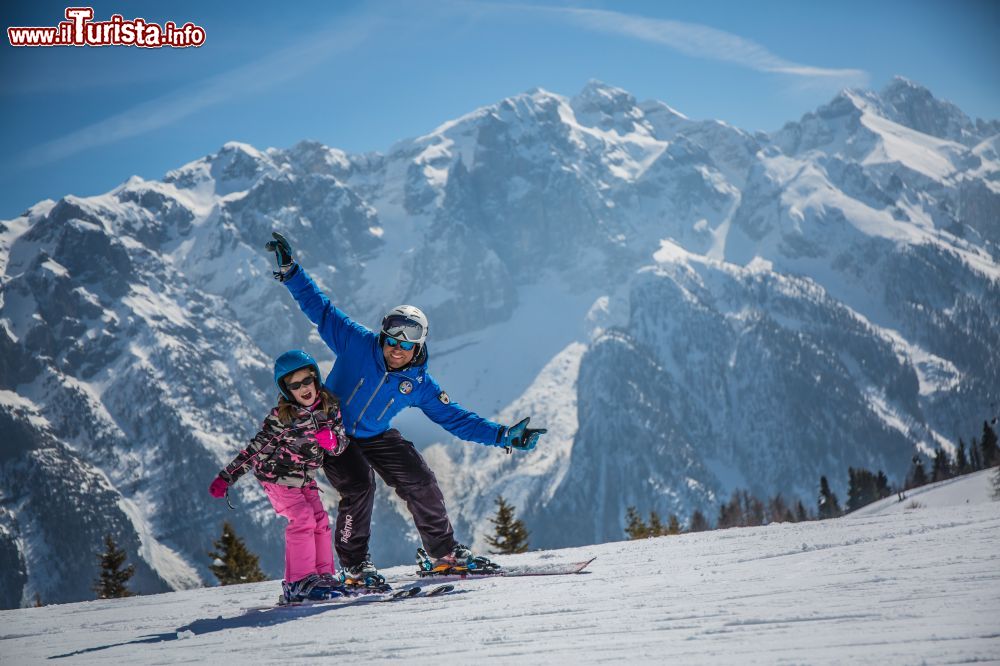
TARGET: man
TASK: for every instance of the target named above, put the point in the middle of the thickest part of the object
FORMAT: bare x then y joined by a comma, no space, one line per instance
377,375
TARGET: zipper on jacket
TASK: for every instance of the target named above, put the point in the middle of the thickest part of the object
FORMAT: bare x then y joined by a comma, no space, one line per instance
386,408
368,404
354,392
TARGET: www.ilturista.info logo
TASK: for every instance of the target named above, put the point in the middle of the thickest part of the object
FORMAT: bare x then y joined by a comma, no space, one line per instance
79,29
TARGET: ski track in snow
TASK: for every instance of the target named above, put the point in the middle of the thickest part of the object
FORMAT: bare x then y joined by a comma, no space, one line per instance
892,583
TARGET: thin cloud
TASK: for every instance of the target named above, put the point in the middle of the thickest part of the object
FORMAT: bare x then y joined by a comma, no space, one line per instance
701,41
172,107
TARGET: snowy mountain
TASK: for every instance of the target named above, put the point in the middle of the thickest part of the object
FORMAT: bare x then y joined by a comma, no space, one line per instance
896,583
689,308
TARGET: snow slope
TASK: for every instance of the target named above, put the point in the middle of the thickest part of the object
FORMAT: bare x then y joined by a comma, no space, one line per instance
974,488
878,586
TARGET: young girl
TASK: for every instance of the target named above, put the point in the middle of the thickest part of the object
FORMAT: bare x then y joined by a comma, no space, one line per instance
285,455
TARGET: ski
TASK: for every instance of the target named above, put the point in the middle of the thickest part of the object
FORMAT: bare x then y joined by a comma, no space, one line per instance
549,569
439,590
409,591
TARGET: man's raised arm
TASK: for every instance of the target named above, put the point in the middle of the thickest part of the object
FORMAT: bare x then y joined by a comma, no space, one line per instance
335,328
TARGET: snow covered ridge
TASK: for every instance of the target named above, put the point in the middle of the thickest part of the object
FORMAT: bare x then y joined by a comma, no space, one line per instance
691,308
882,586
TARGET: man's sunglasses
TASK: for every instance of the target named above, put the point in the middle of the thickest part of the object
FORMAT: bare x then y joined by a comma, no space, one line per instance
402,344
295,386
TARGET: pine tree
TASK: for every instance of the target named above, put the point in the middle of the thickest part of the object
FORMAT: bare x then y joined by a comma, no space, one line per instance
775,509
673,524
112,582
961,459
865,488
778,511
828,505
698,522
753,509
510,535
731,513
655,525
232,561
941,466
736,510
918,477
996,484
975,459
990,449
882,489
636,528
724,520
801,513
855,491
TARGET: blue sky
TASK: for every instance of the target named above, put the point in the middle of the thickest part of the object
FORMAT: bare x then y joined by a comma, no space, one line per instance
362,75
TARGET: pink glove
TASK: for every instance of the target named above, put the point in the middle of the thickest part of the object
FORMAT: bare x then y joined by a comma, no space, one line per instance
326,439
218,487
329,442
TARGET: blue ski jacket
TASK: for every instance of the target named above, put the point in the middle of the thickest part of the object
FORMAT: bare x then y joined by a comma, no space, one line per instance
371,394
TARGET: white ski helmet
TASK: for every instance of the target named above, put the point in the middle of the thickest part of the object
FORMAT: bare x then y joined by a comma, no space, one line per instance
406,322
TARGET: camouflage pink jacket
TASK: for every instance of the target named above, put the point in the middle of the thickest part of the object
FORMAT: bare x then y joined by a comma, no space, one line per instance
289,455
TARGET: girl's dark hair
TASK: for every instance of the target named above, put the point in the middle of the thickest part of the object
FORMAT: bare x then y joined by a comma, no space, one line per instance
288,408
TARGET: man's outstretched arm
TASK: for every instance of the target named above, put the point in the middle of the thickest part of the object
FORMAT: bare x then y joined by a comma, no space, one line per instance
462,423
335,328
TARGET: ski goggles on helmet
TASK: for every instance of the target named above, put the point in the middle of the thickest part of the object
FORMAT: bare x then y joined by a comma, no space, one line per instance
403,328
405,345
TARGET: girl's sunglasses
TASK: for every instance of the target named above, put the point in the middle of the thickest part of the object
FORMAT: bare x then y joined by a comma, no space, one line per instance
405,345
295,386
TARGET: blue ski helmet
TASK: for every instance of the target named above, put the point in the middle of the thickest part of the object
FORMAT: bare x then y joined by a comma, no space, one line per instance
288,363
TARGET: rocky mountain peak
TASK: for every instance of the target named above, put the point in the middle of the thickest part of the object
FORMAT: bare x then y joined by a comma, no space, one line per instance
608,108
313,157
914,106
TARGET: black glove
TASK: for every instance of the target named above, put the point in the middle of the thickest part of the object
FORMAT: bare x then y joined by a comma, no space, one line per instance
282,256
521,437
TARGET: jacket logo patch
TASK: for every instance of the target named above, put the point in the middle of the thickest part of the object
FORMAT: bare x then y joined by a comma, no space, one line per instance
443,397
405,387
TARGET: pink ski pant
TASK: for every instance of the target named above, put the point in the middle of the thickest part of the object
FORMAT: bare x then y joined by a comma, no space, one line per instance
308,541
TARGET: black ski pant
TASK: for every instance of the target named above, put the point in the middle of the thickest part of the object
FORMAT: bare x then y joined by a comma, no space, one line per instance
402,467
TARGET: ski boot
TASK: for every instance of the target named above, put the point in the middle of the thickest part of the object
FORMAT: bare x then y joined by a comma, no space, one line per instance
309,588
460,561
363,575
332,583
